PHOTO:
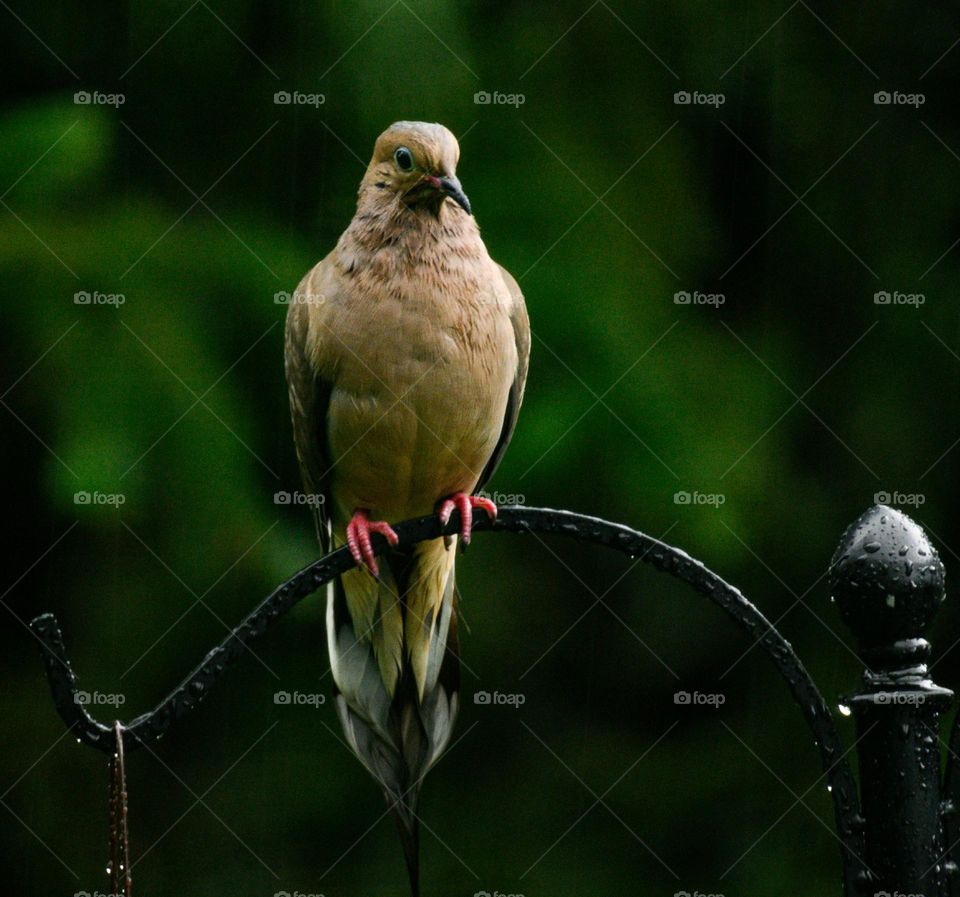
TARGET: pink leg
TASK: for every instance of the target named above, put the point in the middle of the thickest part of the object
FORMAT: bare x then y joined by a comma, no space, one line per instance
465,504
358,538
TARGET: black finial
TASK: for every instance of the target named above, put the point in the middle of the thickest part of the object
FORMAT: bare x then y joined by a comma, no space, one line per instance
886,578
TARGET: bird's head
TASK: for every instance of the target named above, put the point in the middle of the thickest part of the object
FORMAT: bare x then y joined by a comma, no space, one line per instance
415,163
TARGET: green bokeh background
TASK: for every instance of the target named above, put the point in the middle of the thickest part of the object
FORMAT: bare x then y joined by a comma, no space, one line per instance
796,401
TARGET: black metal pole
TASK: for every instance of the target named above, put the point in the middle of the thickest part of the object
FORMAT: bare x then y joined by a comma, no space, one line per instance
888,582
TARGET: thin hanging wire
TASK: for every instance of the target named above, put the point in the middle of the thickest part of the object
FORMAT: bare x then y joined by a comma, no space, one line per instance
121,882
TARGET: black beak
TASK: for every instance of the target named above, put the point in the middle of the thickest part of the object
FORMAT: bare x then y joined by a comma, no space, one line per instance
450,186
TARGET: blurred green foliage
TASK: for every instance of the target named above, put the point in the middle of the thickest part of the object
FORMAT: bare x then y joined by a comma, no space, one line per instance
799,398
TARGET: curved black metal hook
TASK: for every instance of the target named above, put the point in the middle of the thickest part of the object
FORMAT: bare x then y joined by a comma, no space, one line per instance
148,727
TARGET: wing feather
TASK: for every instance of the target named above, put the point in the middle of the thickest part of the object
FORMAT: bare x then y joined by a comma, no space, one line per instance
309,397
521,335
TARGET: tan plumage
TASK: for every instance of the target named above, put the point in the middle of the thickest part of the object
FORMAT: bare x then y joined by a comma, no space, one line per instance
406,357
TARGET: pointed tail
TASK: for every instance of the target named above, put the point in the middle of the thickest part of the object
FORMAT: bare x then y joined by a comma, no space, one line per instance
399,736
408,825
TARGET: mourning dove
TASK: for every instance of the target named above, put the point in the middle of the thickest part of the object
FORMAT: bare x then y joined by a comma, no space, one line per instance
406,358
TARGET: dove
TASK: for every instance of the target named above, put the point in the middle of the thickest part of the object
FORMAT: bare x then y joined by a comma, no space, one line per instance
406,355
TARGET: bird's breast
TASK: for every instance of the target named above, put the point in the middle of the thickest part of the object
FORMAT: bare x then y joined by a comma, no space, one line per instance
419,397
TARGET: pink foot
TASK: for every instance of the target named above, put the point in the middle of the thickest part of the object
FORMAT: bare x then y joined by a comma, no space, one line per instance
465,504
358,539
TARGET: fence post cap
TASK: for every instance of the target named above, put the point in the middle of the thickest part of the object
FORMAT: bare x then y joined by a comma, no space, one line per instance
886,578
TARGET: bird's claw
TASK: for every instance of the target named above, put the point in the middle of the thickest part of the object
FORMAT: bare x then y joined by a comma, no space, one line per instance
465,504
358,539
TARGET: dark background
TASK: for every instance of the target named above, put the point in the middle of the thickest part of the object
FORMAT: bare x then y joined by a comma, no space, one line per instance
795,401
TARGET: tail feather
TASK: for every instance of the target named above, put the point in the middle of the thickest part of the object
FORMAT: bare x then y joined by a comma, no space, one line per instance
356,671
428,604
409,828
390,770
398,737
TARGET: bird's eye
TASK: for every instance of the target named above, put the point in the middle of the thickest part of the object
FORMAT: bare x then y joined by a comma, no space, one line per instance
404,158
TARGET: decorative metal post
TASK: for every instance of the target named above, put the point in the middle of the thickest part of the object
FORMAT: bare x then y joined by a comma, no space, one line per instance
888,583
